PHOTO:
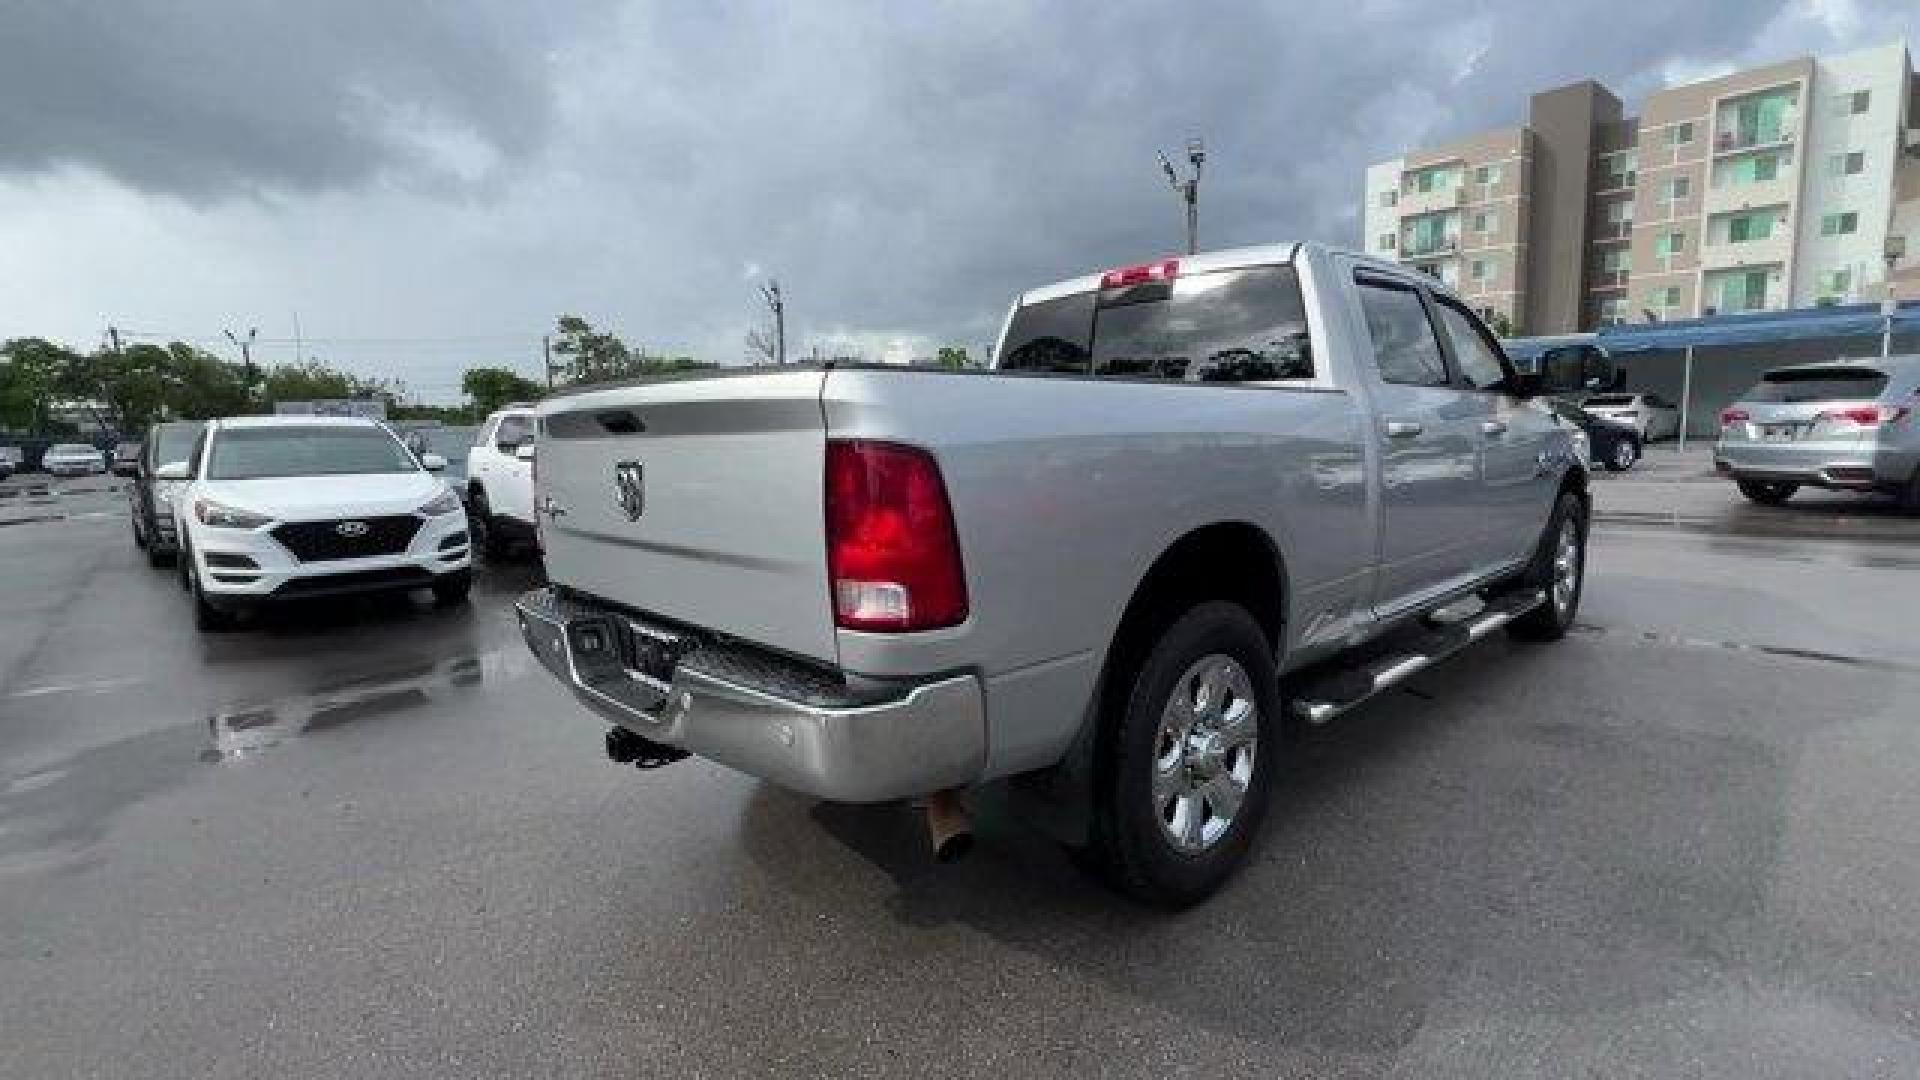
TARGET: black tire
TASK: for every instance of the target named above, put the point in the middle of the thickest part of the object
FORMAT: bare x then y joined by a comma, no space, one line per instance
1767,492
1552,619
1623,456
1130,842
1910,495
483,530
139,534
207,618
451,590
158,558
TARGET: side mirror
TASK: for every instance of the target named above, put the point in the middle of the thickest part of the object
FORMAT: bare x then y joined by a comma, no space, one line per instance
1524,384
173,470
433,462
524,451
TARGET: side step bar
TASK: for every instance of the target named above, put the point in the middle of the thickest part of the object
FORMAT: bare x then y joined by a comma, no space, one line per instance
1338,691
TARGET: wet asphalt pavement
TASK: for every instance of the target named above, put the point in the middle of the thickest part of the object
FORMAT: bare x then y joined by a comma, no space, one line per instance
373,839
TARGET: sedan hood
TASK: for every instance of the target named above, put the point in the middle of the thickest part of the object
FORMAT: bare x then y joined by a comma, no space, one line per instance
305,498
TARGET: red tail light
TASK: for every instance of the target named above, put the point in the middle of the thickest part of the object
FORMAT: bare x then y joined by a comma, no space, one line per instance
1863,415
1164,270
1730,417
892,556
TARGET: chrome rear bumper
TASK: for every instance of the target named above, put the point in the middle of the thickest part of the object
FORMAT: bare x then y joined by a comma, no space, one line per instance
760,714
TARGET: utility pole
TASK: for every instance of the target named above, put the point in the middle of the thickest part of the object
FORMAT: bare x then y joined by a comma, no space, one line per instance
1189,189
771,293
297,347
1896,247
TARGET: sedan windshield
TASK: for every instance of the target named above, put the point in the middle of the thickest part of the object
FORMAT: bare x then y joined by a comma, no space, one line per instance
174,442
252,453
66,449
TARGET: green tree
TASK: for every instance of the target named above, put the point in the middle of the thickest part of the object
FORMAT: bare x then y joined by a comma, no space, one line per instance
592,355
954,356
492,387
28,381
1501,325
309,381
201,386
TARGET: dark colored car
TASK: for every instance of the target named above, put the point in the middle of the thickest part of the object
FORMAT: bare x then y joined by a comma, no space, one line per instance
149,499
1615,445
126,458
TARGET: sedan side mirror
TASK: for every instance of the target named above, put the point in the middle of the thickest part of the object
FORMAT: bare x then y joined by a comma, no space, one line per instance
524,451
173,470
433,462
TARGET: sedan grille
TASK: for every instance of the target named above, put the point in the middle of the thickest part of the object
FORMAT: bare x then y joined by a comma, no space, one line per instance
348,538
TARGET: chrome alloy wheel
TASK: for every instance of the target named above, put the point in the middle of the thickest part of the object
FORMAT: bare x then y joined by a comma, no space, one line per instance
1566,565
1204,752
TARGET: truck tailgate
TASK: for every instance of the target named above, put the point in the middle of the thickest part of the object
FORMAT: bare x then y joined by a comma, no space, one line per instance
700,501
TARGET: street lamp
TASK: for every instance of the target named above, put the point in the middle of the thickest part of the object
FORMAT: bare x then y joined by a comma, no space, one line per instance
1894,250
1189,189
246,352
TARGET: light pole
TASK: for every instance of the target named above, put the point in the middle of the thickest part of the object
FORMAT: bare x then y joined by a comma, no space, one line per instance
1189,189
246,353
771,293
1895,249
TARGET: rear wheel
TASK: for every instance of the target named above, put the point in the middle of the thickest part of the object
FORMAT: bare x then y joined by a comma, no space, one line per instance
1559,569
1910,495
1767,492
139,534
1625,453
451,589
1187,769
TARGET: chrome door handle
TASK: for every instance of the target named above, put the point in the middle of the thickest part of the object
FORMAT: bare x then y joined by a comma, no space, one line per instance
1493,427
1403,429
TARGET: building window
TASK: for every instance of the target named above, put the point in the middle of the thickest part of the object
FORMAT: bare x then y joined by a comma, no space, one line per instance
1678,187
1841,224
1757,225
1386,241
1667,245
1742,291
1668,297
1480,222
1389,197
1851,163
1833,287
1477,270
1487,174
1858,101
1680,134
1431,180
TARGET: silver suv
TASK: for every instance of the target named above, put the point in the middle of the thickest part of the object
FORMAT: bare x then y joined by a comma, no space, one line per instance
1848,425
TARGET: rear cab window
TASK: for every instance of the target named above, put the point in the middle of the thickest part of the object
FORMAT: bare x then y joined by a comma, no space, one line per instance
1819,384
1224,326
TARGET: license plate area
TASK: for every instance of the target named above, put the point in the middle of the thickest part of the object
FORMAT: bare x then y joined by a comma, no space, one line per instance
1779,432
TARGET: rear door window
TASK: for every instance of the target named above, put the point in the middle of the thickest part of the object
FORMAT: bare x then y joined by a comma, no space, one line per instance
1404,347
1052,336
1819,384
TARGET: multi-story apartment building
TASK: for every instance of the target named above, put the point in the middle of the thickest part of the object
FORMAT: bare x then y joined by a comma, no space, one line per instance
1764,189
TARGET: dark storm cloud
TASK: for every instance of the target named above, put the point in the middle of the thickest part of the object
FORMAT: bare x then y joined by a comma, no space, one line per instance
205,99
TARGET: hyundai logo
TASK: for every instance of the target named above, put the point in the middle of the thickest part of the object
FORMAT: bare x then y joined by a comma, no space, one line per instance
630,484
352,530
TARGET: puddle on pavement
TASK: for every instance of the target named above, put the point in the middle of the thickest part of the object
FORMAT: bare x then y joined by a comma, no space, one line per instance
1784,651
238,733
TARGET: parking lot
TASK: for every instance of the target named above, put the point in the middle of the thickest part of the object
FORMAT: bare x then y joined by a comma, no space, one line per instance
373,838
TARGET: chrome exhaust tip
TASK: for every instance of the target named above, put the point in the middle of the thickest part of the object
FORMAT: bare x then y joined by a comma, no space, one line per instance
949,826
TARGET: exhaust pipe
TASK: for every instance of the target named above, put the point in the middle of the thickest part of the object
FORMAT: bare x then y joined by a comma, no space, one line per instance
633,748
949,826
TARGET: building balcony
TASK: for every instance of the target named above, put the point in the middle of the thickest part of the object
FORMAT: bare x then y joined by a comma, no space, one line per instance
1443,248
1770,251
1414,202
1601,280
1609,231
1740,142
1726,198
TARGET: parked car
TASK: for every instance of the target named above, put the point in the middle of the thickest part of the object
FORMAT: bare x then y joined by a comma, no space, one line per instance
1653,416
73,459
1614,445
126,458
149,498
1089,566
9,461
1849,425
452,442
500,482
288,507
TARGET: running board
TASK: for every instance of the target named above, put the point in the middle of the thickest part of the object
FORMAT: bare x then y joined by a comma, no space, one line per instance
1336,692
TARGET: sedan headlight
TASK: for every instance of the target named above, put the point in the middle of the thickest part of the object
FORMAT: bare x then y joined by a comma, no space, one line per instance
444,503
222,516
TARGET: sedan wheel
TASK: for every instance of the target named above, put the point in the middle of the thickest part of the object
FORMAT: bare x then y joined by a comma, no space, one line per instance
1624,455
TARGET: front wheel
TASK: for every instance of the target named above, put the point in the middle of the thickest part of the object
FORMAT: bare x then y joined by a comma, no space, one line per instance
1558,569
1187,769
484,529
1625,453
451,590
1767,492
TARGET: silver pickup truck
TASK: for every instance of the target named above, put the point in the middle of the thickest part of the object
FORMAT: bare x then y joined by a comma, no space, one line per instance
1194,503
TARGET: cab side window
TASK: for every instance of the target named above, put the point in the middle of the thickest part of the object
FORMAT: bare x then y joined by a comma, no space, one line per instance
1473,348
1404,347
513,431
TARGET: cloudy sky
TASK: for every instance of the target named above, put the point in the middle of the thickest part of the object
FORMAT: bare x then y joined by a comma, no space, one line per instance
425,186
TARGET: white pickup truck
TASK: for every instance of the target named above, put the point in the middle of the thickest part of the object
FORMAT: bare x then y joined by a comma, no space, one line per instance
1195,502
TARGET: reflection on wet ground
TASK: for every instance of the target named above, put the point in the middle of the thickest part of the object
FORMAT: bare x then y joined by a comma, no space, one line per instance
1656,638
240,732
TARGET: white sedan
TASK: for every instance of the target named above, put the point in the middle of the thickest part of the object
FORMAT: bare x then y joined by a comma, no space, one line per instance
1653,416
285,507
73,459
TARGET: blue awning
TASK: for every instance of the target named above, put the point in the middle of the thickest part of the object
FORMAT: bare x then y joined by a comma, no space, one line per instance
1525,351
1851,320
